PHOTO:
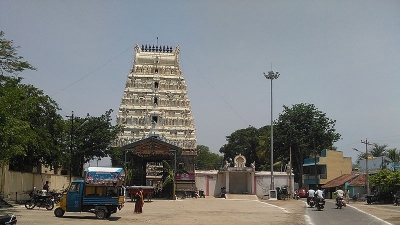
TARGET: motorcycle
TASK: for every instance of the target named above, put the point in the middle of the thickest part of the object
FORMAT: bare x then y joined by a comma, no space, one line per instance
311,202
340,203
320,203
8,219
39,200
56,197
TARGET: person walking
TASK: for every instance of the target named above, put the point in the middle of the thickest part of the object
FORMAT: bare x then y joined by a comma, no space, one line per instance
347,196
139,201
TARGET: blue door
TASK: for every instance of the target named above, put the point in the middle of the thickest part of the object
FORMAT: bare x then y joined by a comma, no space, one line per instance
74,197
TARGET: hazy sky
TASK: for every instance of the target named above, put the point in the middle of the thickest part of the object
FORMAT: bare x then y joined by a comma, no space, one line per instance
341,56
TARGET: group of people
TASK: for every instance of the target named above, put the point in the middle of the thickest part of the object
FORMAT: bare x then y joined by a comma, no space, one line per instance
319,194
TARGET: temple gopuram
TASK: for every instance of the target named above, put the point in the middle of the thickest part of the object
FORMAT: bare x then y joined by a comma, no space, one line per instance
157,119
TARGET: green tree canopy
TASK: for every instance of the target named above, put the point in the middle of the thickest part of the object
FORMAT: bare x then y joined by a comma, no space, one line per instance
386,180
305,130
245,142
10,61
91,138
206,160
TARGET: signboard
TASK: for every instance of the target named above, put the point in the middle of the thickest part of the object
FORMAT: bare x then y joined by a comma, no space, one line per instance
104,176
185,176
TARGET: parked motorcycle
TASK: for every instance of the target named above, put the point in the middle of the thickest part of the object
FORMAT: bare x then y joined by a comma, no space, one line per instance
320,203
56,197
8,219
39,200
340,203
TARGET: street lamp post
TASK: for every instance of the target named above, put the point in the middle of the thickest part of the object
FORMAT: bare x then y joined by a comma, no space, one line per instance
271,76
71,145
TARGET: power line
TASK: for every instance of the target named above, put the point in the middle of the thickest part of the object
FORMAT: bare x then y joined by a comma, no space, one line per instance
98,68
226,102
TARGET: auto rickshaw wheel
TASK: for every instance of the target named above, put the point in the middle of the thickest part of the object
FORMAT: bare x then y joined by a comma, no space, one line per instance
59,212
108,214
100,214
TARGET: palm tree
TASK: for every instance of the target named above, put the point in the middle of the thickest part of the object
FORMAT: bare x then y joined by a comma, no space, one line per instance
377,151
393,154
170,177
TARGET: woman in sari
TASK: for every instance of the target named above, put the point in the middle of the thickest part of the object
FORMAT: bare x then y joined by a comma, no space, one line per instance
139,201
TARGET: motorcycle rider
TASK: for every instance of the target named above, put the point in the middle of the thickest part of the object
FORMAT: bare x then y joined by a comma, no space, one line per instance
311,194
339,194
319,195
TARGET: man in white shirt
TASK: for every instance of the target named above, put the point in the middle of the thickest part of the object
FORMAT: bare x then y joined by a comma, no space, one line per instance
319,194
339,194
311,194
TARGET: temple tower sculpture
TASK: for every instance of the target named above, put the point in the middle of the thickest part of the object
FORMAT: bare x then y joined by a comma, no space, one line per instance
155,101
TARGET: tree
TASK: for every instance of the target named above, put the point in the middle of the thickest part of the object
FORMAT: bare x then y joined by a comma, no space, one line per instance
169,175
91,138
15,132
10,61
377,151
245,142
305,130
206,160
386,180
393,154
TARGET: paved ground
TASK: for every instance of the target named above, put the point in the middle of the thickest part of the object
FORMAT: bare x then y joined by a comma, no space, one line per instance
200,211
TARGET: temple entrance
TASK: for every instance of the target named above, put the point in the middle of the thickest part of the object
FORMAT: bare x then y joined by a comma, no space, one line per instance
239,178
143,160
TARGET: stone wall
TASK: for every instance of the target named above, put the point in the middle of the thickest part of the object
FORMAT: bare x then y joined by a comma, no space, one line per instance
16,185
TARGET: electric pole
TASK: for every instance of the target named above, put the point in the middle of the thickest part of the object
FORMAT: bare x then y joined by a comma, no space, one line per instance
366,164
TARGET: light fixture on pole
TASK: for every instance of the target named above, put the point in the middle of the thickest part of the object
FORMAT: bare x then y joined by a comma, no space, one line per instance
271,76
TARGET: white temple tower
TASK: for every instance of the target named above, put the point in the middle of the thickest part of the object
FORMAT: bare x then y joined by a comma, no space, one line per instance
155,101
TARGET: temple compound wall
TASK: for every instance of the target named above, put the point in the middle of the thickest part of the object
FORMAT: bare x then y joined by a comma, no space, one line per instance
239,179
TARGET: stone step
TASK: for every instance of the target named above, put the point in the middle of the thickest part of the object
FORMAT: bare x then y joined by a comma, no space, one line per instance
241,196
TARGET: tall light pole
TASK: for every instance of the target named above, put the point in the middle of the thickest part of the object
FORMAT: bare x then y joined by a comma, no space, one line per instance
271,76
71,145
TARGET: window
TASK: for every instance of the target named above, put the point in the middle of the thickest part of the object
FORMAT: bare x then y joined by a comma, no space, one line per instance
74,188
155,119
155,84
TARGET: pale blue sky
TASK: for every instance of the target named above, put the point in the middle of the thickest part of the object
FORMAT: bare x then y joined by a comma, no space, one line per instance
341,56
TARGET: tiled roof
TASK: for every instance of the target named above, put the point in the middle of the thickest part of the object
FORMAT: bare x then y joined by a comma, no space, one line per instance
359,181
339,181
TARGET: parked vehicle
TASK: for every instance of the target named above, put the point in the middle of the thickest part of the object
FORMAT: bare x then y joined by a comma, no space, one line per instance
201,194
320,203
39,199
302,193
100,193
340,203
8,219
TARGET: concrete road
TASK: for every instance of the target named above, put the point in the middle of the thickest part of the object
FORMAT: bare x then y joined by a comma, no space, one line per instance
337,216
212,211
208,210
